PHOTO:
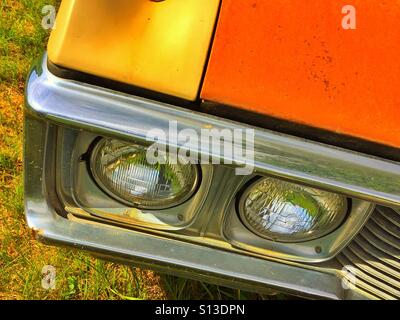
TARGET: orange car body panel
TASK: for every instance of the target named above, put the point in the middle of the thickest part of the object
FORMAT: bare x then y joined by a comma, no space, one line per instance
294,60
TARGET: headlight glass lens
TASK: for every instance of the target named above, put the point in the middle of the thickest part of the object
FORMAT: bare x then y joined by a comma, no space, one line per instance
288,212
122,170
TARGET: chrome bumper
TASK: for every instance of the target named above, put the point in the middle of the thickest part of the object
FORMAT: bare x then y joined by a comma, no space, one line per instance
53,102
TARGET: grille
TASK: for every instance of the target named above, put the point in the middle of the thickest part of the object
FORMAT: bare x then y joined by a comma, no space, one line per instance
373,257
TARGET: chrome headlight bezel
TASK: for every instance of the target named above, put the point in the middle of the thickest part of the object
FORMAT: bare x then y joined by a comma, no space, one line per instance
88,199
316,250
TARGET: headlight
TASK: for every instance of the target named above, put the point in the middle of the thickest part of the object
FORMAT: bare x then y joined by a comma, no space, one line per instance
121,170
288,212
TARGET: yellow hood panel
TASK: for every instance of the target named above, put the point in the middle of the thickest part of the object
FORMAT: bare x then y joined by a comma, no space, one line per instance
161,46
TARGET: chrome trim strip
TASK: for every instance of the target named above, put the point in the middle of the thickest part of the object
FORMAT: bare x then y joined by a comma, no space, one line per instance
111,113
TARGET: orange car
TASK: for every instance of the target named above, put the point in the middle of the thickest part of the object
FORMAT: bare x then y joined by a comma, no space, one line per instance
250,143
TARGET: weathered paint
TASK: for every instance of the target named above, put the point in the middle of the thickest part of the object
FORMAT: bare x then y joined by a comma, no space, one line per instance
160,46
293,60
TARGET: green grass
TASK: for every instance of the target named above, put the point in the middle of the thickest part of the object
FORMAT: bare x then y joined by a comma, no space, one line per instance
79,276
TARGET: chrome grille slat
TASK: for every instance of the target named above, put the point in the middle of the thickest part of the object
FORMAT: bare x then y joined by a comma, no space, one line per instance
390,215
386,225
373,266
378,254
372,275
375,291
382,234
380,244
374,255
